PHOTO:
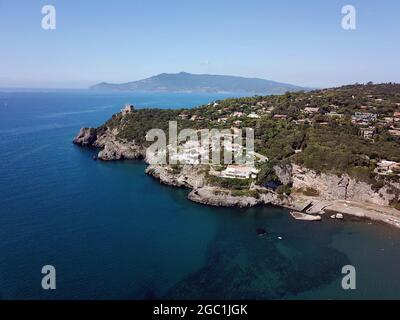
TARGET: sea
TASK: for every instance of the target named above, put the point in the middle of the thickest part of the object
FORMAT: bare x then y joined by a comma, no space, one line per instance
112,232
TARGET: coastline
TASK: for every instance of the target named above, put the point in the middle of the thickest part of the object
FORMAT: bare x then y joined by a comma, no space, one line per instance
193,178
356,209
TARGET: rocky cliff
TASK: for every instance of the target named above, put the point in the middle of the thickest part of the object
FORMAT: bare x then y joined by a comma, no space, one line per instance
193,177
333,187
86,137
321,186
188,176
111,148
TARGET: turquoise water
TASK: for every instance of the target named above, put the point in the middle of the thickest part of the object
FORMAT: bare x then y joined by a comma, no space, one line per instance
114,233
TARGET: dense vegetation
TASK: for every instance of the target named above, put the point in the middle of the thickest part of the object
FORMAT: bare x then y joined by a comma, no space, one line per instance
327,144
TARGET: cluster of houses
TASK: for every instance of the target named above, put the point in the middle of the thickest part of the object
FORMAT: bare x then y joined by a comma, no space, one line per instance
239,114
265,110
194,152
191,152
364,118
262,109
366,122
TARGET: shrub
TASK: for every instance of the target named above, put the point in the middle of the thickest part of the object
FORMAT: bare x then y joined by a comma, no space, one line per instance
235,184
284,189
311,192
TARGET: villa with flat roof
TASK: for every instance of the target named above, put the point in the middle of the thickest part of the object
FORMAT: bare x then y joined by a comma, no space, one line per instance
239,172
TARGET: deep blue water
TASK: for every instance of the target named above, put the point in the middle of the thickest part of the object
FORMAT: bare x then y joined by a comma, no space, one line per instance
114,233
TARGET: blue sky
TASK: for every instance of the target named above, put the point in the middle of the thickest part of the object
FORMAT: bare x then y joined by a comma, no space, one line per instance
299,42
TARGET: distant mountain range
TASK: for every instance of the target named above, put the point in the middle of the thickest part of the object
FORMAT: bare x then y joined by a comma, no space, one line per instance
200,83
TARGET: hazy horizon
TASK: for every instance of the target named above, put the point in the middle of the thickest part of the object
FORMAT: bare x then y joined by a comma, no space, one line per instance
11,88
302,44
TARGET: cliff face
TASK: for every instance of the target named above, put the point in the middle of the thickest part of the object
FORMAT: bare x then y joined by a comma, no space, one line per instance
221,198
325,186
218,197
193,177
188,176
86,137
332,187
111,147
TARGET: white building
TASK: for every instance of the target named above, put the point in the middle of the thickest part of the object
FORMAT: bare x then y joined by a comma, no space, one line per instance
238,114
311,110
253,116
239,172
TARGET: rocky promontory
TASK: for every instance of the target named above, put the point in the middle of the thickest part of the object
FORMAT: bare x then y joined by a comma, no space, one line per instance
330,192
189,176
193,177
86,137
111,148
309,161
